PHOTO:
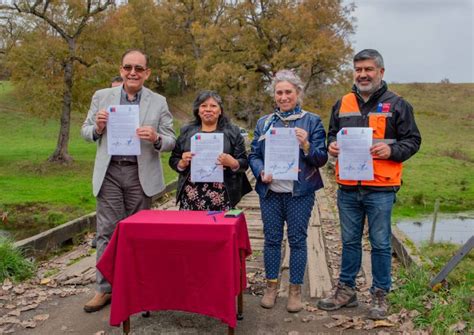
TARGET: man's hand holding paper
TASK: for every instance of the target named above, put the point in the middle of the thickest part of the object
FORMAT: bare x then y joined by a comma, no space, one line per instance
355,159
122,124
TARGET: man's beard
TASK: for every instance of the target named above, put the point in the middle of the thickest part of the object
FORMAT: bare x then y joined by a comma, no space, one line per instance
372,88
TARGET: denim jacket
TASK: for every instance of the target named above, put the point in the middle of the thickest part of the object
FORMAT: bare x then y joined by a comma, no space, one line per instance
309,179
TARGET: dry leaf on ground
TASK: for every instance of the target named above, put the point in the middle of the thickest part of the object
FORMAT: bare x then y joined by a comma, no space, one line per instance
8,320
28,324
310,308
308,318
383,323
41,317
15,312
7,285
457,327
407,326
28,307
19,290
45,281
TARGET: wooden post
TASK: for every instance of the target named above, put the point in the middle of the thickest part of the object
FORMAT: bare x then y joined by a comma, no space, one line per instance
458,256
435,218
240,298
126,326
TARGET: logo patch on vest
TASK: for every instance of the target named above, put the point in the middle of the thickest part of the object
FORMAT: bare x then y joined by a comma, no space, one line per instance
383,107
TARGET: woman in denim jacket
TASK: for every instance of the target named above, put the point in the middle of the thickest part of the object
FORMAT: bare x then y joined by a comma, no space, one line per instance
286,200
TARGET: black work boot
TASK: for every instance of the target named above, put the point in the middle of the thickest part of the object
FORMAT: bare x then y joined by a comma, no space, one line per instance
379,307
342,296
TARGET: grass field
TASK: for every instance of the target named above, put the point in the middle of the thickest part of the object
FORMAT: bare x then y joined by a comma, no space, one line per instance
444,167
37,194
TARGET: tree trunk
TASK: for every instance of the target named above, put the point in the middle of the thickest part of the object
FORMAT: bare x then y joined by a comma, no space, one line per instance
61,154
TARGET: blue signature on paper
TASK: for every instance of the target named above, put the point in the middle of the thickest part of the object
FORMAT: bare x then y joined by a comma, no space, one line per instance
282,169
128,142
203,173
357,167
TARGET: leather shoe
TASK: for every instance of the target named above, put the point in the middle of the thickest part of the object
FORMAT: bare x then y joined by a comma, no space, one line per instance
99,301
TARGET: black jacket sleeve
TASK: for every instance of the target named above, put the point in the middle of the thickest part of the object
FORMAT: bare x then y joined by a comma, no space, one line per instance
238,149
408,136
178,150
333,124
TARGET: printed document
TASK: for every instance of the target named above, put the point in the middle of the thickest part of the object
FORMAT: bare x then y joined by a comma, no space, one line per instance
281,153
206,148
121,130
355,161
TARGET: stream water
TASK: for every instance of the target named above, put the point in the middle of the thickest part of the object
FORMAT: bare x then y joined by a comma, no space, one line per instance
454,228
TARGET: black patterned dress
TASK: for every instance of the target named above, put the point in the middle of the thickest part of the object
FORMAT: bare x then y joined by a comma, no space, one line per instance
204,196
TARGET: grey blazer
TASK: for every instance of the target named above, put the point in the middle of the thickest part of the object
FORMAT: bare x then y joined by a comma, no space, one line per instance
153,112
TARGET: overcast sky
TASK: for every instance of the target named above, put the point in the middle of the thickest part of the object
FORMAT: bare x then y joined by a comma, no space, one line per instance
420,40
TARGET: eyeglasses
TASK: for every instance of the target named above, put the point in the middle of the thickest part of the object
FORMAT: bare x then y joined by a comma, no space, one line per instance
137,68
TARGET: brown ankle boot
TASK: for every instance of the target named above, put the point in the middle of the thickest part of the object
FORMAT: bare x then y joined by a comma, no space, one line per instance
99,301
271,292
294,299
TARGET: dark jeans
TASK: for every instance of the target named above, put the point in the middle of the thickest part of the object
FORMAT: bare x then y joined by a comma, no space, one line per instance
354,206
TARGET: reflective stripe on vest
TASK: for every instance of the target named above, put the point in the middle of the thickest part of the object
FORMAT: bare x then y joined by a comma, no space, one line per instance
386,172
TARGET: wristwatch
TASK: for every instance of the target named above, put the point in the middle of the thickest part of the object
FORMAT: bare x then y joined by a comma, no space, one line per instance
157,143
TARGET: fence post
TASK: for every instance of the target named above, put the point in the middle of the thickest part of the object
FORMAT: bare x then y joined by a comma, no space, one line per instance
435,218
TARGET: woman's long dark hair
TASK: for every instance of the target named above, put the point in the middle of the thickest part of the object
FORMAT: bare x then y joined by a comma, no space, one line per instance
222,121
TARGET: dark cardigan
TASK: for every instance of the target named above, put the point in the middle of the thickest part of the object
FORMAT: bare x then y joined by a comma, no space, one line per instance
236,182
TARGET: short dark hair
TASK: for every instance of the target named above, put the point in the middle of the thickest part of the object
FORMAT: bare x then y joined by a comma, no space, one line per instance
129,51
370,54
116,79
203,96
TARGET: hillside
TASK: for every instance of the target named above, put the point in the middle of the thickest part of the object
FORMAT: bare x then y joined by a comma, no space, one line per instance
444,167
36,195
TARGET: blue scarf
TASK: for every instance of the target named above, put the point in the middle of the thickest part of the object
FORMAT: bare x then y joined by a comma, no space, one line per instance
279,115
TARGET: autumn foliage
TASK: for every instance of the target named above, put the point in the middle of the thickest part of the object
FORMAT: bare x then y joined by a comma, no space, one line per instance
233,47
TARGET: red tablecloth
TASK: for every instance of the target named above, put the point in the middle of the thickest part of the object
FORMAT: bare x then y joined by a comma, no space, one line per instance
176,260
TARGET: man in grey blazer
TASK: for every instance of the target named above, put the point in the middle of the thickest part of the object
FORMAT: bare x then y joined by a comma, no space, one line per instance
124,185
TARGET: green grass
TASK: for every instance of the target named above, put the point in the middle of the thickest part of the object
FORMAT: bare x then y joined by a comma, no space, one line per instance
12,263
51,272
447,306
37,194
444,166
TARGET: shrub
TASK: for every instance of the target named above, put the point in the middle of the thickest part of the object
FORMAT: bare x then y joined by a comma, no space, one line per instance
13,264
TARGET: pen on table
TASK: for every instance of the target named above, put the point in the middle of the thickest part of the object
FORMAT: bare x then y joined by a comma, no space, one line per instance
213,212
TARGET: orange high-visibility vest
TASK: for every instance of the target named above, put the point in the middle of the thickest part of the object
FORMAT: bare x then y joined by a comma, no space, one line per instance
386,172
